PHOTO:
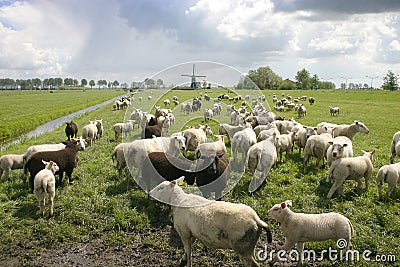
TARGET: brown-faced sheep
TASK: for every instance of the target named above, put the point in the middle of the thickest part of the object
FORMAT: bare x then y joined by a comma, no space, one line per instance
71,130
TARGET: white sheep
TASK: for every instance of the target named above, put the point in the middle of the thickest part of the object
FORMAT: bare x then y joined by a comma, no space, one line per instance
301,227
340,147
301,136
389,173
301,111
285,126
260,158
208,114
123,128
10,162
316,146
89,132
241,142
194,137
260,128
350,169
217,224
166,124
350,130
211,147
395,147
325,127
265,134
334,110
118,154
44,147
45,183
287,141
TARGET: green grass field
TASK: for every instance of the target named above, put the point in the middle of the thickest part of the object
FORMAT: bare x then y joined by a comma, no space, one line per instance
23,111
101,208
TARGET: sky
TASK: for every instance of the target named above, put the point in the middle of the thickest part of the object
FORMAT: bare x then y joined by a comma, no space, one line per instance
130,40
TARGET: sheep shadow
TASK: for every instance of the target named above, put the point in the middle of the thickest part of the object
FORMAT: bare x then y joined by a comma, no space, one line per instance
27,210
350,191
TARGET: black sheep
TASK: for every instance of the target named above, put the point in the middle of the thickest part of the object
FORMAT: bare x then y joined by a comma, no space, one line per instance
212,175
159,166
71,130
66,160
152,129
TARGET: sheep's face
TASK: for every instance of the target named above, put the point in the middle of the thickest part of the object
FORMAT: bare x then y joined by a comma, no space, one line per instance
361,127
180,142
338,149
279,210
310,131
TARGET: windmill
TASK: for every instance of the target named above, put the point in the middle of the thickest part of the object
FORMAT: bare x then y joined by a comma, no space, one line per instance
193,83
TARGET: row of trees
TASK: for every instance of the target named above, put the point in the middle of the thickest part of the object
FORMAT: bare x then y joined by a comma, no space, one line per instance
54,83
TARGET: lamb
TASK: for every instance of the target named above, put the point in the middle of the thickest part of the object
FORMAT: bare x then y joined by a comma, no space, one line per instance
123,129
301,136
159,166
261,157
300,227
316,146
45,183
287,142
395,147
350,130
260,128
100,129
208,114
325,127
194,137
71,130
241,142
10,162
166,124
334,110
89,132
212,173
216,224
211,148
389,173
265,134
118,154
66,160
136,151
340,147
350,169
230,130
301,111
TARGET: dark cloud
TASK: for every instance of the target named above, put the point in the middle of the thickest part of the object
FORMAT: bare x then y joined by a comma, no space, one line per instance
338,6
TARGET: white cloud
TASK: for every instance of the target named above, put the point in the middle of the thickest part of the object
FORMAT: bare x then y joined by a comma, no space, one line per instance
394,45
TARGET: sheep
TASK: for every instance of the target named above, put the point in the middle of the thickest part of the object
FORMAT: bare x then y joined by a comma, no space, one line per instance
167,102
194,137
301,227
260,128
301,136
325,127
316,146
334,110
135,152
230,130
100,129
311,100
138,116
261,157
66,160
118,154
167,124
340,147
211,147
389,173
302,111
395,147
350,169
241,142
350,130
217,224
212,173
159,166
123,129
152,129
89,132
285,126
10,162
149,97
287,142
208,114
265,134
45,183
71,130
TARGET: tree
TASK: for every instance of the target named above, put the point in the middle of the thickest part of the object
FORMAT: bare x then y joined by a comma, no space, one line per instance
314,82
303,79
390,81
92,83
160,83
115,84
264,78
83,82
287,85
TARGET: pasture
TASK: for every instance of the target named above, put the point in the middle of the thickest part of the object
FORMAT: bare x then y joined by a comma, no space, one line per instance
101,220
23,111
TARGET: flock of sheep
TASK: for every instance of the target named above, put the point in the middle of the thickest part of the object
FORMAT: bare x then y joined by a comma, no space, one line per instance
261,138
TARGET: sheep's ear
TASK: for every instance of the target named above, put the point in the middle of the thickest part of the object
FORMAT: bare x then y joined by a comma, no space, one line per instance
363,151
315,128
356,122
44,162
330,142
373,152
178,181
283,205
344,145
288,203
65,143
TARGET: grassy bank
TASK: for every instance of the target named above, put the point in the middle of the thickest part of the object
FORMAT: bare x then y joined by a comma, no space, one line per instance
114,218
23,111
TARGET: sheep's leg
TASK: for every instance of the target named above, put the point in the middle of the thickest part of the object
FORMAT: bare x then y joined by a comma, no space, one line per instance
305,162
334,187
51,202
359,184
340,190
389,191
6,173
69,175
380,191
287,247
41,199
1,173
300,248
187,256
